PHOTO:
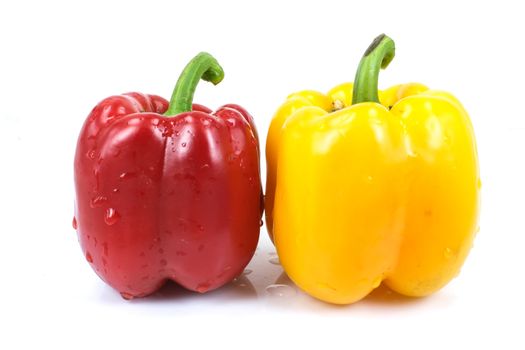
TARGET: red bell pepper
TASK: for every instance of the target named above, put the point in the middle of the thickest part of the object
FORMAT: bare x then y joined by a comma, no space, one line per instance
168,191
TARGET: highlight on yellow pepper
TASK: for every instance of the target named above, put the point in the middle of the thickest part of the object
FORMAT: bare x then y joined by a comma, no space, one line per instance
367,187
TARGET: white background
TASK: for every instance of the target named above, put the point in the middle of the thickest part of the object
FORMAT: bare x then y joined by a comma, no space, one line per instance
57,60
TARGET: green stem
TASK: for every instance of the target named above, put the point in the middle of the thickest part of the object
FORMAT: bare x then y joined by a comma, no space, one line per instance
203,66
378,55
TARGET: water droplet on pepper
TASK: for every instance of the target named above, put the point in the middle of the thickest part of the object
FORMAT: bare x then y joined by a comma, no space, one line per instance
377,281
203,287
448,253
126,296
127,175
274,260
91,154
280,290
111,217
98,201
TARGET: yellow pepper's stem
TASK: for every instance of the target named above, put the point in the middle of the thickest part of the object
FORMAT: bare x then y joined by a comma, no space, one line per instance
378,55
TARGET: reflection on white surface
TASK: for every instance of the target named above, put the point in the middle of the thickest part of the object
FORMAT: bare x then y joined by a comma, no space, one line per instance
262,283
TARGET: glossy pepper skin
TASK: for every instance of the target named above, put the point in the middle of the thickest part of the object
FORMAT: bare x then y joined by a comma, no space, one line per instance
361,192
168,191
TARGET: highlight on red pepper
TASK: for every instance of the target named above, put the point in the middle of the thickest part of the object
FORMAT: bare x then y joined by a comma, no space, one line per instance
168,191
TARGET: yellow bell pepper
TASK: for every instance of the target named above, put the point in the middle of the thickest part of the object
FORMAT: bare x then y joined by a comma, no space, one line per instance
368,187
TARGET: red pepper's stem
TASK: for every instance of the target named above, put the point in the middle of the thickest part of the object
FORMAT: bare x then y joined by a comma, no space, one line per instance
203,66
378,55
